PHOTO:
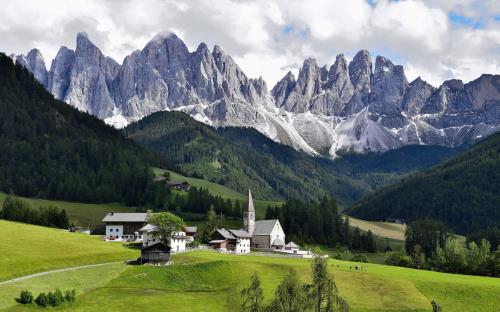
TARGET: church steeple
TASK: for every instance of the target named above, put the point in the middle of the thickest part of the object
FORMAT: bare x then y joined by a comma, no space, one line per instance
249,215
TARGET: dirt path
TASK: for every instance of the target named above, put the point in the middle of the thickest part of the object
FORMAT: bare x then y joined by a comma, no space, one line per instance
55,271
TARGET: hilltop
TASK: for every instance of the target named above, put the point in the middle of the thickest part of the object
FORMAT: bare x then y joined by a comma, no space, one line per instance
462,192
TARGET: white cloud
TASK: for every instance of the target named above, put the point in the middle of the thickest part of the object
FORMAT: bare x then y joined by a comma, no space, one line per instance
269,38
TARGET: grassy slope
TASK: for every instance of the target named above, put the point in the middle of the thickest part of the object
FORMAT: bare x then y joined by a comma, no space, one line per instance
224,192
27,249
80,214
207,281
382,229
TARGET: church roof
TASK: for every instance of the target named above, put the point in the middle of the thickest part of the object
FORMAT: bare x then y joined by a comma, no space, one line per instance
264,227
250,201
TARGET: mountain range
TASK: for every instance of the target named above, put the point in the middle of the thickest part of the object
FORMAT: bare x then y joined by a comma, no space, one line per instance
349,106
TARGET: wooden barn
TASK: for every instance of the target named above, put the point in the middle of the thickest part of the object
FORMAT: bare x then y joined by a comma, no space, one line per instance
158,253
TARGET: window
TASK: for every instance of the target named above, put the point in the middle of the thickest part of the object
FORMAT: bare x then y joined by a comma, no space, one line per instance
111,230
118,230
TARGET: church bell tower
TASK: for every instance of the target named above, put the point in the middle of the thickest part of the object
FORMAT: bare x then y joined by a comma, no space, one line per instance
249,215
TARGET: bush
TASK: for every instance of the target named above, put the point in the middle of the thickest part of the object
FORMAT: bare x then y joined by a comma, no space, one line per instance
193,244
41,300
70,295
360,258
26,297
56,298
398,258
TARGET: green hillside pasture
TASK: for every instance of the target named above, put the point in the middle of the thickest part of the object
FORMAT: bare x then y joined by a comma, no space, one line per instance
80,214
222,191
208,281
26,249
82,280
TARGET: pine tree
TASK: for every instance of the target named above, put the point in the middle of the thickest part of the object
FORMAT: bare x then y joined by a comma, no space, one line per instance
253,296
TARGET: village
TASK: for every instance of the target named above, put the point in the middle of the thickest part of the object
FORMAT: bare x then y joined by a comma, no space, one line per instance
266,236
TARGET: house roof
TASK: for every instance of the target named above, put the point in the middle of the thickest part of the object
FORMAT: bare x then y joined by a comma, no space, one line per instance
157,246
175,183
226,234
148,228
264,227
216,241
278,242
191,229
291,245
240,233
125,217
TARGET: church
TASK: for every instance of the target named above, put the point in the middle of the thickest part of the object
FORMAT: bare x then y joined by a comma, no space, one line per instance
262,234
265,234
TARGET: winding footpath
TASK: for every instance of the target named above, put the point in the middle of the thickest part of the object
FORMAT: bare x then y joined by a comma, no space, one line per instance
17,279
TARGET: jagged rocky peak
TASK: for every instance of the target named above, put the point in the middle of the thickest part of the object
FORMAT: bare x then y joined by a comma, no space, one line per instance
283,88
388,86
416,96
309,80
485,92
35,63
360,71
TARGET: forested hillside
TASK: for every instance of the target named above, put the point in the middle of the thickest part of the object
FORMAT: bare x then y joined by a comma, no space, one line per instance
51,150
463,192
242,158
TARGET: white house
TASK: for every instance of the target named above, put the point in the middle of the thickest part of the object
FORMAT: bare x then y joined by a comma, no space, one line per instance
237,241
124,226
150,236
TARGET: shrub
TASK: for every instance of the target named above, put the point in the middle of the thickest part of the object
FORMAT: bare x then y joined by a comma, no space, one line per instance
26,297
41,300
360,258
70,295
398,258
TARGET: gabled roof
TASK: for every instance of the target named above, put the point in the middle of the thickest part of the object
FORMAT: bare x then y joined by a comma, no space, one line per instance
226,234
240,233
191,229
125,217
291,245
264,227
148,228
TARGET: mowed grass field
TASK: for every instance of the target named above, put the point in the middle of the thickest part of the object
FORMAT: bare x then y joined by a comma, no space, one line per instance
382,229
222,191
80,214
209,281
27,249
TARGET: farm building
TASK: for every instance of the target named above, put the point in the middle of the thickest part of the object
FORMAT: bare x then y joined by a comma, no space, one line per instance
178,185
190,233
237,241
124,226
157,253
150,237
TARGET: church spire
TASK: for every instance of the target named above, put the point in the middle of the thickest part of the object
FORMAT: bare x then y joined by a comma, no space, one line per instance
249,215
250,201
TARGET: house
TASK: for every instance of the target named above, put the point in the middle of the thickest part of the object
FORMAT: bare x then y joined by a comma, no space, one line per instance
150,237
237,241
396,220
265,234
180,186
124,226
291,247
157,253
190,233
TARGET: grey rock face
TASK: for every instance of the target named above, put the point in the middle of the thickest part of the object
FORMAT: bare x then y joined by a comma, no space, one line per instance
35,64
347,106
416,96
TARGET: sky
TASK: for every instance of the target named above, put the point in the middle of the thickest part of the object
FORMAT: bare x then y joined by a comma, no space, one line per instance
434,39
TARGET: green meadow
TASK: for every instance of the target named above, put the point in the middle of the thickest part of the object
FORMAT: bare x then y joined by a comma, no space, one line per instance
80,214
27,249
222,191
209,281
